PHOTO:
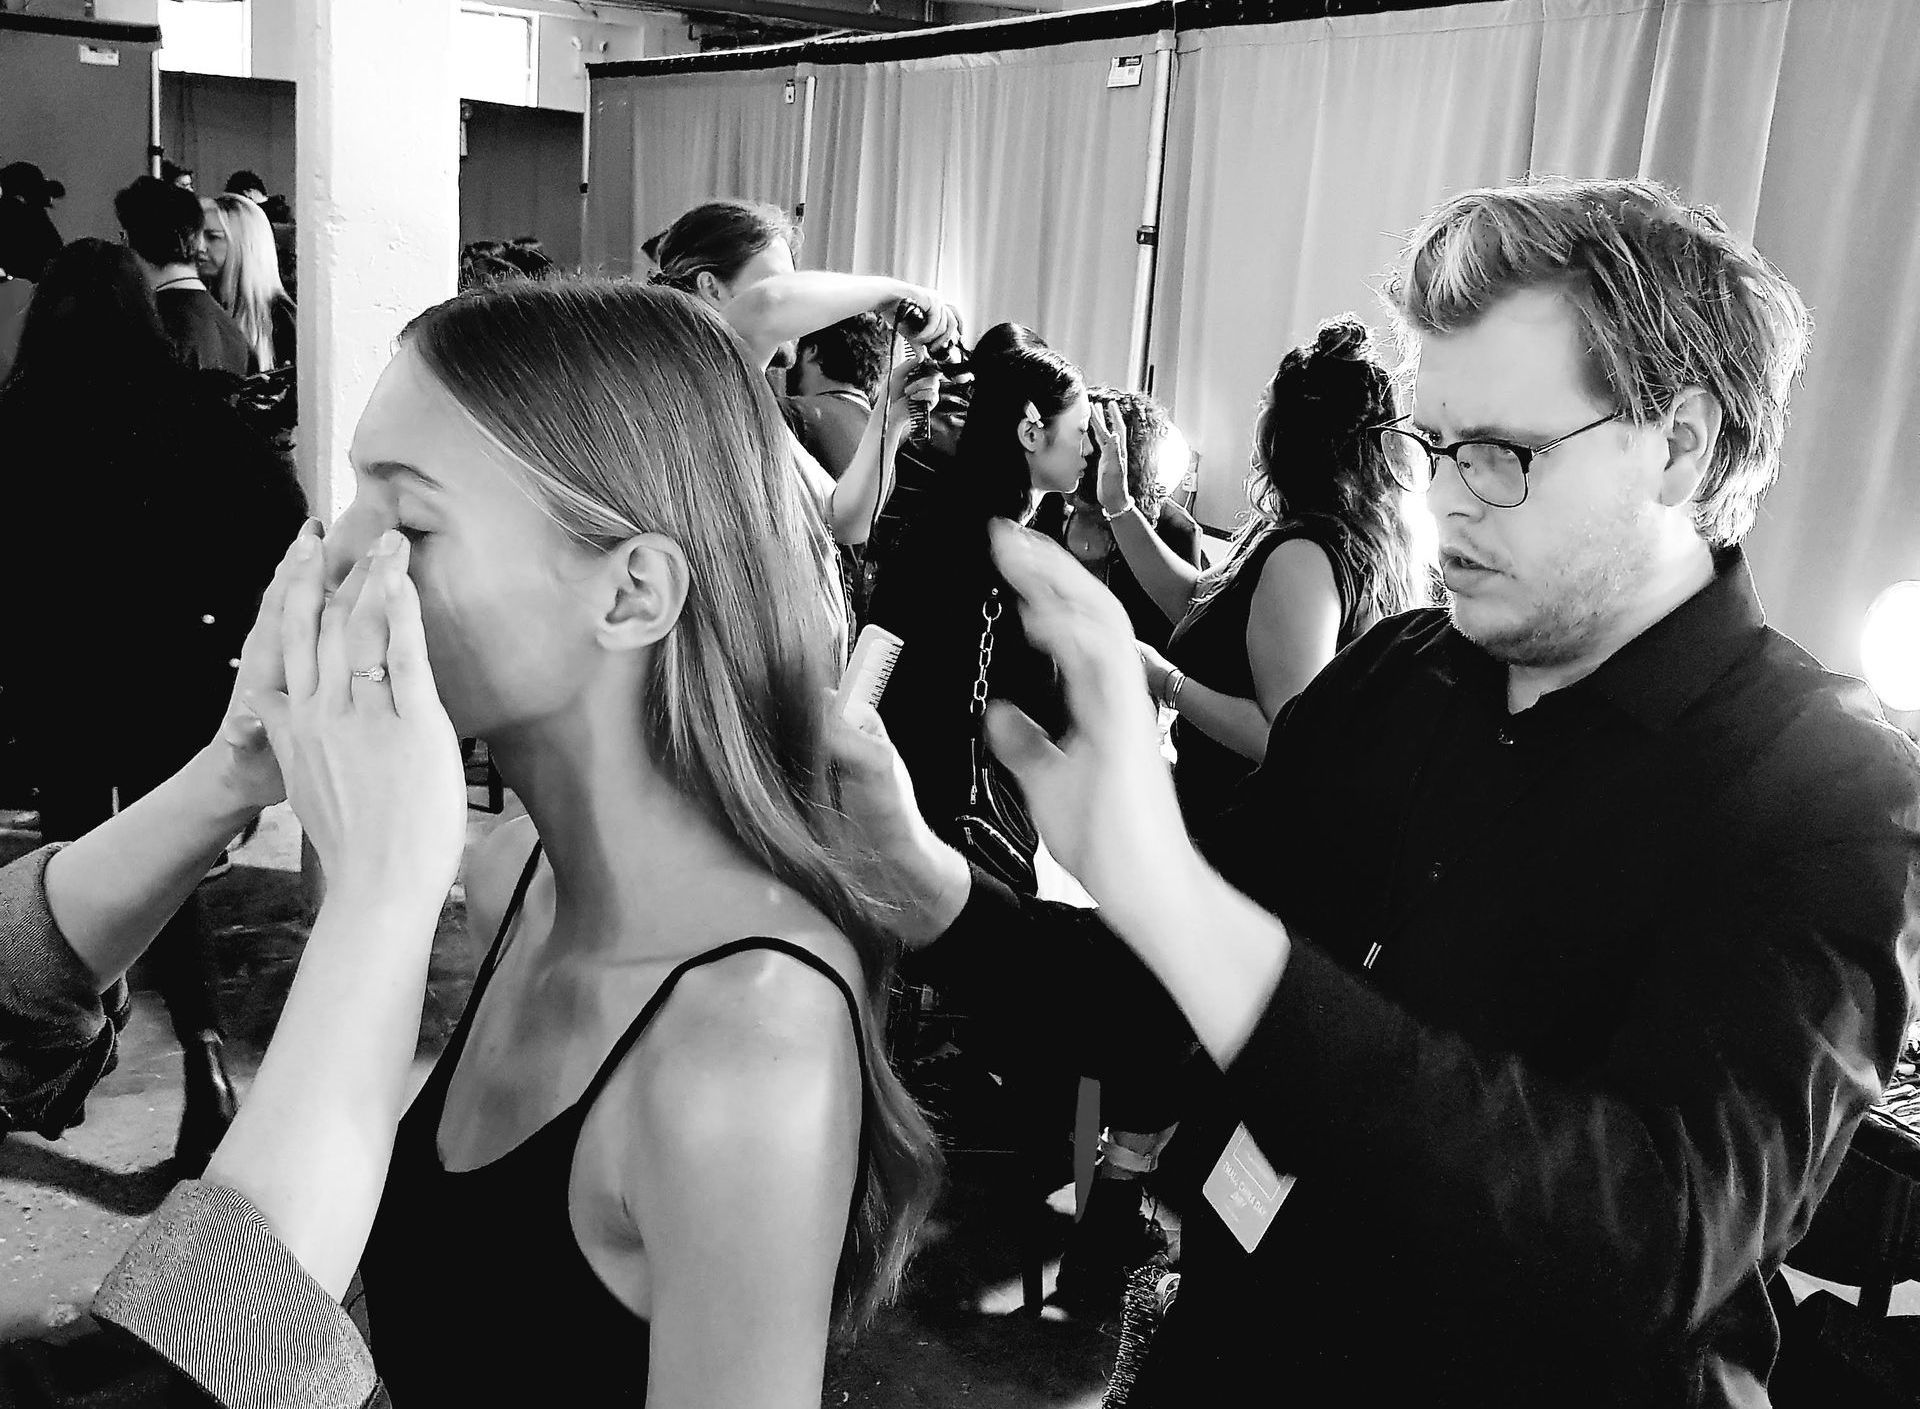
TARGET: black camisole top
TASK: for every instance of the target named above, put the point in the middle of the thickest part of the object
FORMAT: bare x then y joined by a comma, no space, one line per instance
476,1292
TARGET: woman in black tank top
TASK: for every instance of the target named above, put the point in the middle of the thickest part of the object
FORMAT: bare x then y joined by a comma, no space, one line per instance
1324,556
662,1157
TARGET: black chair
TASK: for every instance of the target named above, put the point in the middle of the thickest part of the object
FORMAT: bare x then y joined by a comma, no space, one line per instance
996,1116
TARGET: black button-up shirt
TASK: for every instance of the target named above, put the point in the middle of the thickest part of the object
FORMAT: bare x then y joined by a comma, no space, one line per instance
1582,1007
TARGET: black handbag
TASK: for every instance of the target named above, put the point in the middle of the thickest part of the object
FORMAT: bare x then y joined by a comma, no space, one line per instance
994,830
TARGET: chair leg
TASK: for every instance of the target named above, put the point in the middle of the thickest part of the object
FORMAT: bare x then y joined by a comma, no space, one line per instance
1033,1222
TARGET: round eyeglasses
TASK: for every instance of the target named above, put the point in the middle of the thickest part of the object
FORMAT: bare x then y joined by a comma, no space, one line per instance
1494,471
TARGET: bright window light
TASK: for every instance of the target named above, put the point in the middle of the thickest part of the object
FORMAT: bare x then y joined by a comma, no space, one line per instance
493,55
207,36
1890,646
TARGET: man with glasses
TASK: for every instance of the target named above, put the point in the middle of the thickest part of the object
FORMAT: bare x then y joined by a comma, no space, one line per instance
1587,908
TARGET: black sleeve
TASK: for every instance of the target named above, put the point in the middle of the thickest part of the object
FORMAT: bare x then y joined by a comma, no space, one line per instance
102,1366
1700,1146
1058,983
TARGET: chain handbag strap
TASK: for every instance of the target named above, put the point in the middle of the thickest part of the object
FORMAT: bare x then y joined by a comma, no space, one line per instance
989,613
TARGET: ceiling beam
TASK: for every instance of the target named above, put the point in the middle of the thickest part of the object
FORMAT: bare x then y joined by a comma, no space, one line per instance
866,16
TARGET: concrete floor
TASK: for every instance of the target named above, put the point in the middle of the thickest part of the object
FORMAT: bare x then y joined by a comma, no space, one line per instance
69,1207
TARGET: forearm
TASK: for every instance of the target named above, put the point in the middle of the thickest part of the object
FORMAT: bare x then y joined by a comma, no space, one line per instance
861,492
932,884
789,306
1233,722
1218,954
111,891
311,1145
1169,578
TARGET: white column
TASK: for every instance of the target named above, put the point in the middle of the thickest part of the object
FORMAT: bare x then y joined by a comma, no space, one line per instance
377,201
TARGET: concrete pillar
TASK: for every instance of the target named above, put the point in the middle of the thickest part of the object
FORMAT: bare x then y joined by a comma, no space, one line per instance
377,202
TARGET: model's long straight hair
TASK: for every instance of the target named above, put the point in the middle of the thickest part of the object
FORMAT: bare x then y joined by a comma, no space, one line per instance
249,283
634,411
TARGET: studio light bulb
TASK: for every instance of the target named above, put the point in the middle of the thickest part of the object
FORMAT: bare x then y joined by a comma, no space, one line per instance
1172,460
1890,646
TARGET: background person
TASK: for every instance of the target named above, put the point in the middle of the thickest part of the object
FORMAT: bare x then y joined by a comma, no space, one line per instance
241,270
831,387
1078,524
1025,436
28,236
1323,556
164,226
247,183
104,428
737,256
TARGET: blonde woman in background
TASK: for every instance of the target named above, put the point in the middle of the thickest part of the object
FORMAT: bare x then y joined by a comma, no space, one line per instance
242,269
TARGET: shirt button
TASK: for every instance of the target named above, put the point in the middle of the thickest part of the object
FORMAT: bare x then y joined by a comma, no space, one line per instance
206,621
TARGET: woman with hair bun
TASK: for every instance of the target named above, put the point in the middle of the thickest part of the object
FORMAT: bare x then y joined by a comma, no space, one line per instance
1324,555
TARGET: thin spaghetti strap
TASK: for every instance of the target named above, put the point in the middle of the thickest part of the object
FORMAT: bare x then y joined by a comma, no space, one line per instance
492,961
711,956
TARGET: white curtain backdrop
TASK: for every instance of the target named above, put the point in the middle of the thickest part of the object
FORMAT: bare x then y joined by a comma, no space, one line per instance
662,145
1298,157
1012,182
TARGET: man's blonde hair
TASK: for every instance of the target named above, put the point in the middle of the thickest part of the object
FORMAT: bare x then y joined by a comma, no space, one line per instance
1666,298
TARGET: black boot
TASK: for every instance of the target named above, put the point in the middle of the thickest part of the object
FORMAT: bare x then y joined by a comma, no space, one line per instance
210,1104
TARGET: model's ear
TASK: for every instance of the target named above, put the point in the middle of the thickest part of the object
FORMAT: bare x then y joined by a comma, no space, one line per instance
646,590
1032,430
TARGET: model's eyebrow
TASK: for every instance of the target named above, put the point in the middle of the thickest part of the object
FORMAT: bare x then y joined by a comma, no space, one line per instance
391,469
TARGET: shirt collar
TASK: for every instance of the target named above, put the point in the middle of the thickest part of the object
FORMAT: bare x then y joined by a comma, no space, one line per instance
1660,673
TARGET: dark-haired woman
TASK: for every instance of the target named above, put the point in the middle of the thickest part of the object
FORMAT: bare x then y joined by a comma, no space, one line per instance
737,256
1025,436
114,674
1324,556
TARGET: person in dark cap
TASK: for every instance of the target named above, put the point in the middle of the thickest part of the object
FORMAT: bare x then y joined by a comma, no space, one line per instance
28,238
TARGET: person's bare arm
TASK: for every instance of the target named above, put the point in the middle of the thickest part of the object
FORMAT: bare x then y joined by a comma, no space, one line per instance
862,491
1167,577
1292,628
112,890
374,773
788,306
742,1160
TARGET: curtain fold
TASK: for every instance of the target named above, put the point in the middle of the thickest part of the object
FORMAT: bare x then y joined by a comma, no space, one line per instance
663,145
1012,182
1839,213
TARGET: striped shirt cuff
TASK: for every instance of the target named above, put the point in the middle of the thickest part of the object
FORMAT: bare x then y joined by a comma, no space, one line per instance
209,1287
